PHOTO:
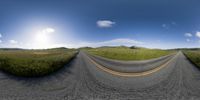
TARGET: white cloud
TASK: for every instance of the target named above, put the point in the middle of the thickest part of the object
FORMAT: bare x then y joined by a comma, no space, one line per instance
198,34
47,30
0,41
13,41
165,26
105,23
168,25
188,40
0,35
121,42
173,23
114,42
188,35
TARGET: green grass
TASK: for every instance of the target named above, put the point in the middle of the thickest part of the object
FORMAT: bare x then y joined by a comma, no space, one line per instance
125,53
193,56
31,63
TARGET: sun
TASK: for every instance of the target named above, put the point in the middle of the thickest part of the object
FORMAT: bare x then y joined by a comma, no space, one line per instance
43,37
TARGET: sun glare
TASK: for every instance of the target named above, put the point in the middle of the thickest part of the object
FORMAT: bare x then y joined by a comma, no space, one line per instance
43,37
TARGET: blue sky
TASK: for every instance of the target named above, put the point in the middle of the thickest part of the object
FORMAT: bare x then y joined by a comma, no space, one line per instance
75,23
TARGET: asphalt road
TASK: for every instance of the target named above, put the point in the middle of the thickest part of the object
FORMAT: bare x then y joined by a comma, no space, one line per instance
83,80
131,66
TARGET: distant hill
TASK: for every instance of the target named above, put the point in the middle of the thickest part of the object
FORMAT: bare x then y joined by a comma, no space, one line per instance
11,49
131,47
59,48
85,48
186,49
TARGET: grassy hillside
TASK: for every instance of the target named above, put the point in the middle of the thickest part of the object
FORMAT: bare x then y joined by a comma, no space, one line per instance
125,53
193,56
34,62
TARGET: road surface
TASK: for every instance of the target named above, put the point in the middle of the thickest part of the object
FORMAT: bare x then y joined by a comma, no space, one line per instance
82,79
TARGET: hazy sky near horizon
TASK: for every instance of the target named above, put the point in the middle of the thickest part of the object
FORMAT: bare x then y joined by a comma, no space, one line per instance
76,23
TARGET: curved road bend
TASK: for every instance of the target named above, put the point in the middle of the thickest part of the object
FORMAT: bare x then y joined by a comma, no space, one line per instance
83,80
131,66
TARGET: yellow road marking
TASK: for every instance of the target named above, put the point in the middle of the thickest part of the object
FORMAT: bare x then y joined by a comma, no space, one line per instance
134,74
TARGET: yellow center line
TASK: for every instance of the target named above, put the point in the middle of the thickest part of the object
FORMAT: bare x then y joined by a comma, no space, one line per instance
133,74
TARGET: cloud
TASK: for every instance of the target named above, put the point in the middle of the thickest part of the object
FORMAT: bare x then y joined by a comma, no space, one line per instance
188,35
188,40
169,25
0,41
0,35
173,23
47,30
13,41
165,26
198,34
121,41
105,23
114,42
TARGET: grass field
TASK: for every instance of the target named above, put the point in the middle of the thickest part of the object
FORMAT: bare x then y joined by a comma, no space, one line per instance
193,56
125,53
30,63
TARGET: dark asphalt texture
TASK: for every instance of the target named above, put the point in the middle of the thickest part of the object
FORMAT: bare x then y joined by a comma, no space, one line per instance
131,66
82,80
